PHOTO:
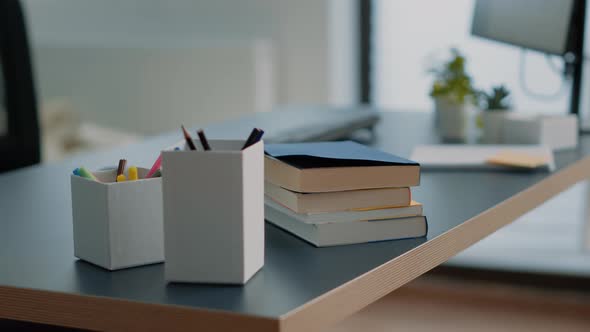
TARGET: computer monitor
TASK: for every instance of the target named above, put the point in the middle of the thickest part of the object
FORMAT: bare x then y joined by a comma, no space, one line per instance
542,25
549,26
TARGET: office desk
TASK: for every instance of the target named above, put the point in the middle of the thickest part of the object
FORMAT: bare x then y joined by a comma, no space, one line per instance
300,288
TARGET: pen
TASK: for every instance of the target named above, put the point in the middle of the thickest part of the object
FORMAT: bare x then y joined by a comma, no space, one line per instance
83,172
203,139
120,170
188,138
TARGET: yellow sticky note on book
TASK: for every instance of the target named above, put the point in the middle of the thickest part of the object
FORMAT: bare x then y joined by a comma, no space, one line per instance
518,159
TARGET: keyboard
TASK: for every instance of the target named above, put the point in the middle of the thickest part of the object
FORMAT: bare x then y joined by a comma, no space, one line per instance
292,124
305,124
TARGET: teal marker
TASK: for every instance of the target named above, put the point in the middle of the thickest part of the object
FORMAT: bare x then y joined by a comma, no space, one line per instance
83,172
76,172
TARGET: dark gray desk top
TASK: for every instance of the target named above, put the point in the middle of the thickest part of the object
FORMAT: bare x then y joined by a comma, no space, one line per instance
36,249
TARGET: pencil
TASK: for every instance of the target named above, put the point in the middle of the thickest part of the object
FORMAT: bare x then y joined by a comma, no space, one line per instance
120,168
203,139
155,167
188,138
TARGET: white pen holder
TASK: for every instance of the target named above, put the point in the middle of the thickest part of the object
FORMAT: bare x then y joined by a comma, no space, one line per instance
118,224
214,212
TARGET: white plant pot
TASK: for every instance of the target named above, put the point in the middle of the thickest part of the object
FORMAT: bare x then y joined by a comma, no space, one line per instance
493,123
452,119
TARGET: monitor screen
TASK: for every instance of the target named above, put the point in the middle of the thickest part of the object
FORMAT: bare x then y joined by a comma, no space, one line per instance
540,25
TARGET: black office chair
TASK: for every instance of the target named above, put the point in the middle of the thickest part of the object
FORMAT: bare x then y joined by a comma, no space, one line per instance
19,146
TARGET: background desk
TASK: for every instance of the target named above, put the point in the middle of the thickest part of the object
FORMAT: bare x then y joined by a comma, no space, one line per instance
300,288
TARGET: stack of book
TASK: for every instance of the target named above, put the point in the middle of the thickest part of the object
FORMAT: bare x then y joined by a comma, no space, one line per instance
334,193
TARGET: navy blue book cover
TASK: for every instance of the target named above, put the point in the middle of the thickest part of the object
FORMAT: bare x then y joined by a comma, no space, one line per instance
333,154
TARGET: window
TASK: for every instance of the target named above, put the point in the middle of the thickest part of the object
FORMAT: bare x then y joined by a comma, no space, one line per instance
409,36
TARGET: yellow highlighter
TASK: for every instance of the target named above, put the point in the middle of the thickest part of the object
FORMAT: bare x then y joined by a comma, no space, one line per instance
133,173
121,178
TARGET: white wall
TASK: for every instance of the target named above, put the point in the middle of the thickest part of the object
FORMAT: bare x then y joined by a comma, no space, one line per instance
312,42
343,45
316,45
147,22
150,90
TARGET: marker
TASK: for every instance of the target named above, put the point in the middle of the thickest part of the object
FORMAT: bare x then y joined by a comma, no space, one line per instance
121,178
83,172
251,138
254,137
155,167
76,172
188,138
121,169
259,137
203,140
132,173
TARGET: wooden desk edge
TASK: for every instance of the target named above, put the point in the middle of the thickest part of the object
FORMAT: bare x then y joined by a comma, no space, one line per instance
108,314
101,313
354,295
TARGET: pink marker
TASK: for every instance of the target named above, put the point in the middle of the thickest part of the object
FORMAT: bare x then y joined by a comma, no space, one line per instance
155,167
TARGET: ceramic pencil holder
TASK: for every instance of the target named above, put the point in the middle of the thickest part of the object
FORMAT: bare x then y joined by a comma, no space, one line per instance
214,212
118,224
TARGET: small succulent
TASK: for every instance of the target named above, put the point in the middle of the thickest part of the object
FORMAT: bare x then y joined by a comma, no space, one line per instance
496,100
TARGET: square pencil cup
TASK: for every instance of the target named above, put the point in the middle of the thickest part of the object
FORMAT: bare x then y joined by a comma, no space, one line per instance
214,212
118,224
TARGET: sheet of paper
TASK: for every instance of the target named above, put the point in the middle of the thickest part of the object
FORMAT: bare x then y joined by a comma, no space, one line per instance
459,156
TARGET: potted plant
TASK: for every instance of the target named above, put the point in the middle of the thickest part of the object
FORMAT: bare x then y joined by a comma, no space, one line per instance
453,96
495,105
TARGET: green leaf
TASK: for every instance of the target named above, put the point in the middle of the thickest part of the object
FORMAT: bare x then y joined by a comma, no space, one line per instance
452,81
